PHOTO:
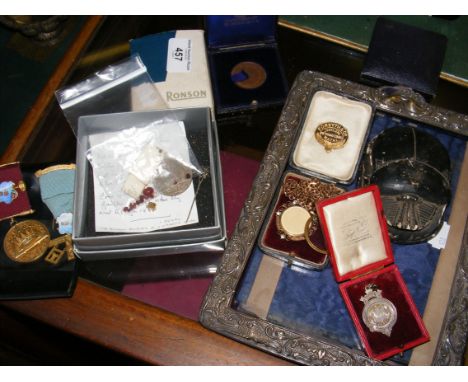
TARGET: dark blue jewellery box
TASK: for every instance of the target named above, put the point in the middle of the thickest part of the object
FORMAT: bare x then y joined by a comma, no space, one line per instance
245,64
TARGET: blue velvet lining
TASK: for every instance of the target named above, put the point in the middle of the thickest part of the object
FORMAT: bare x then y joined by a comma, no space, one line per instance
309,301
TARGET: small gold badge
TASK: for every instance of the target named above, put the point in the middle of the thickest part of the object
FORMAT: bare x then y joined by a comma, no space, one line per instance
26,241
331,135
58,248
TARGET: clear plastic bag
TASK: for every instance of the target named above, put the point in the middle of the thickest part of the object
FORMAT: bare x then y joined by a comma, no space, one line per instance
125,86
140,161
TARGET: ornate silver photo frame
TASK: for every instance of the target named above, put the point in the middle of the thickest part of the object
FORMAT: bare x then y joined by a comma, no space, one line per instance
448,327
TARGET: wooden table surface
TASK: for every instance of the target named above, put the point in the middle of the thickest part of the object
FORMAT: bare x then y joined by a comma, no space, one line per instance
138,330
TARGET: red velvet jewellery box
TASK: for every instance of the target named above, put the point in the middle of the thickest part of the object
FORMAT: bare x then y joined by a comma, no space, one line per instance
372,287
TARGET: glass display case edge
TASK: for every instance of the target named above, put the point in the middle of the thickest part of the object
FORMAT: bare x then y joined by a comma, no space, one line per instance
217,313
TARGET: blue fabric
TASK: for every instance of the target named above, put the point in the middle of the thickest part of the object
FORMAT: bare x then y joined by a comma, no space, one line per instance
153,52
57,188
309,301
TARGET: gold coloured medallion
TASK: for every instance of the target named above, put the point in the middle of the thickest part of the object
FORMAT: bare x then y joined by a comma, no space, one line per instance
251,75
26,241
331,135
291,222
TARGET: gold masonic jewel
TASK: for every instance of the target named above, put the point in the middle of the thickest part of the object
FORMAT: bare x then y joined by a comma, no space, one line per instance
379,314
58,248
331,135
26,241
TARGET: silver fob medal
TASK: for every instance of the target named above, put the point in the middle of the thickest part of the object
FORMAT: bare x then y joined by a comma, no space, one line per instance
379,314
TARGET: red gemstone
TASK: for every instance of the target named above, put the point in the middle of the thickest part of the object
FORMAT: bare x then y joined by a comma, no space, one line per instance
148,191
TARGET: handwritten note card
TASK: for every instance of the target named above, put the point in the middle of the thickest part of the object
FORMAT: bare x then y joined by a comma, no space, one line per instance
170,211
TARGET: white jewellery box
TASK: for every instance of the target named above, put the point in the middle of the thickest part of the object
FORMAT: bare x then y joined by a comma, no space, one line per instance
332,137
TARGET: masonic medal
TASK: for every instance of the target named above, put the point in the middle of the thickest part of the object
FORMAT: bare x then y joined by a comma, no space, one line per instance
60,247
379,314
248,75
331,135
26,241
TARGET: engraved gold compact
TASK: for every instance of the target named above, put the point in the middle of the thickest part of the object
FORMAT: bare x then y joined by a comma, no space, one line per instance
291,232
291,222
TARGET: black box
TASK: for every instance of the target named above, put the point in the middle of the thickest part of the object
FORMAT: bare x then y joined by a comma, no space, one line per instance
405,55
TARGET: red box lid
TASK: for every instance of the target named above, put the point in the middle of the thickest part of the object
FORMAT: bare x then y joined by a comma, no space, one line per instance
355,232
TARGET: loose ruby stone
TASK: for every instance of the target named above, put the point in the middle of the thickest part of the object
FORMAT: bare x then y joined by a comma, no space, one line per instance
148,191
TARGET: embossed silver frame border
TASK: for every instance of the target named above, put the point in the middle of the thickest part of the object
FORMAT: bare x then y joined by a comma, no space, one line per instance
217,313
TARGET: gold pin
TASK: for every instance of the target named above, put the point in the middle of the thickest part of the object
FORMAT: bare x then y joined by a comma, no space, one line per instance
331,135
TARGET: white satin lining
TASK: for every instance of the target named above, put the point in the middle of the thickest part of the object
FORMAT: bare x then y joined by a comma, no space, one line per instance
339,163
355,233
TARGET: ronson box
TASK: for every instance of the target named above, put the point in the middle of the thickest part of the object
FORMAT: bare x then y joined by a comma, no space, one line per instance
375,294
206,235
36,259
245,64
273,292
177,63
